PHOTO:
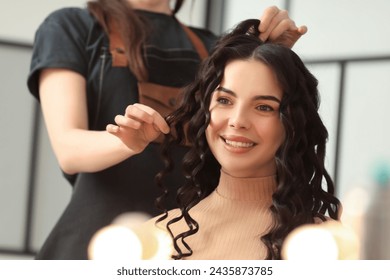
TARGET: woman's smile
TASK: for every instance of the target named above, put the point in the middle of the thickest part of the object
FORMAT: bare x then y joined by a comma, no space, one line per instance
238,142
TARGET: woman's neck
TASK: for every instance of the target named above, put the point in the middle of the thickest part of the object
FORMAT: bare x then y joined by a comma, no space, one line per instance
247,189
157,6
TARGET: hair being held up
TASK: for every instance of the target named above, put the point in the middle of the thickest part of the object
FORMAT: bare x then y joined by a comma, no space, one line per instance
305,191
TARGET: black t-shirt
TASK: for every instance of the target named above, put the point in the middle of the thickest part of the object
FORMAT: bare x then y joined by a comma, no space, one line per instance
71,38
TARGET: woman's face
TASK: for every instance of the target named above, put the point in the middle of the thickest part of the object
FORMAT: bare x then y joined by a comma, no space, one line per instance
245,130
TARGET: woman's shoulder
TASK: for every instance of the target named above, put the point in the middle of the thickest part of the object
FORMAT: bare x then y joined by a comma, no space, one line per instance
65,27
71,16
69,12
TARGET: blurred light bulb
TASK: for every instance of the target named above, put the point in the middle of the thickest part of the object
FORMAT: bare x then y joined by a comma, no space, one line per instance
115,242
346,238
130,237
156,243
330,240
310,242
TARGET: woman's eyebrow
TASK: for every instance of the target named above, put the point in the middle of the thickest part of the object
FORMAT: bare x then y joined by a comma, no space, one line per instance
257,97
267,97
220,88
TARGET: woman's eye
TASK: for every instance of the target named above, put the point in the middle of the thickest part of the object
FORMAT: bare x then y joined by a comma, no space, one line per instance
223,100
264,107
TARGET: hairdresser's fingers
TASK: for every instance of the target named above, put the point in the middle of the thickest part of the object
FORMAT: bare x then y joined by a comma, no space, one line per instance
277,27
266,21
287,38
128,122
302,30
157,120
113,129
268,14
282,27
137,112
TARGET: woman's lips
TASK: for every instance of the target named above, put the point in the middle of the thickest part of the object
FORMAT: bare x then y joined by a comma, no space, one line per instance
238,141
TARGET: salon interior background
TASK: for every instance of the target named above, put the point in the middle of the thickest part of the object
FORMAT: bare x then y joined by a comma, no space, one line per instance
347,48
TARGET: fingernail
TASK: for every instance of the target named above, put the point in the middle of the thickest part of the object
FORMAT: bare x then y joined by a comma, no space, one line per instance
113,128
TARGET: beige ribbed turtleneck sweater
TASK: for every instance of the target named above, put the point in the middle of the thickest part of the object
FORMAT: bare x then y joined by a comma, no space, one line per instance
231,220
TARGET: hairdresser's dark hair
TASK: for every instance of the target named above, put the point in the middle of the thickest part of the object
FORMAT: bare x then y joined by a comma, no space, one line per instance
132,27
305,190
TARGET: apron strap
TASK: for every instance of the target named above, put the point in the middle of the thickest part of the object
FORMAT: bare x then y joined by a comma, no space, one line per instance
196,42
117,48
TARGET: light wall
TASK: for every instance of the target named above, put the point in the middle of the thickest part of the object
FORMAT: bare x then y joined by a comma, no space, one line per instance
339,30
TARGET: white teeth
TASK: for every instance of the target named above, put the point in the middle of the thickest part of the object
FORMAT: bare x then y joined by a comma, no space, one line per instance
238,144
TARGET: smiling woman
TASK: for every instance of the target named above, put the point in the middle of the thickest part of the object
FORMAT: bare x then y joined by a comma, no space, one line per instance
245,130
255,170
255,166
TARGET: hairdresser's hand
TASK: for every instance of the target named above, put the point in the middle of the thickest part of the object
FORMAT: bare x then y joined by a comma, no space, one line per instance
277,27
139,126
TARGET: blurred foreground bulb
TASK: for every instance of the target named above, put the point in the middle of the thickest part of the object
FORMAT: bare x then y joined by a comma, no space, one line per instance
310,242
115,242
156,243
129,238
326,241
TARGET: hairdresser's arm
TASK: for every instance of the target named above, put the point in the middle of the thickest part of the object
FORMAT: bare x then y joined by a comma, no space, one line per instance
64,107
277,27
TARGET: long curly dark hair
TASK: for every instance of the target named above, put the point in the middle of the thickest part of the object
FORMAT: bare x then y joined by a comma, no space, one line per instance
304,191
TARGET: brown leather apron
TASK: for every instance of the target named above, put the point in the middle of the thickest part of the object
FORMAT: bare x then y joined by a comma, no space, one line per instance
161,98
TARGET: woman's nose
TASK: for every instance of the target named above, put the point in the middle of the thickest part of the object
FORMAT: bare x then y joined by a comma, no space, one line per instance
239,119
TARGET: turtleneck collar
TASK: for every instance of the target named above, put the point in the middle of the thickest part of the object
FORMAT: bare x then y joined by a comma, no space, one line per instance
246,189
